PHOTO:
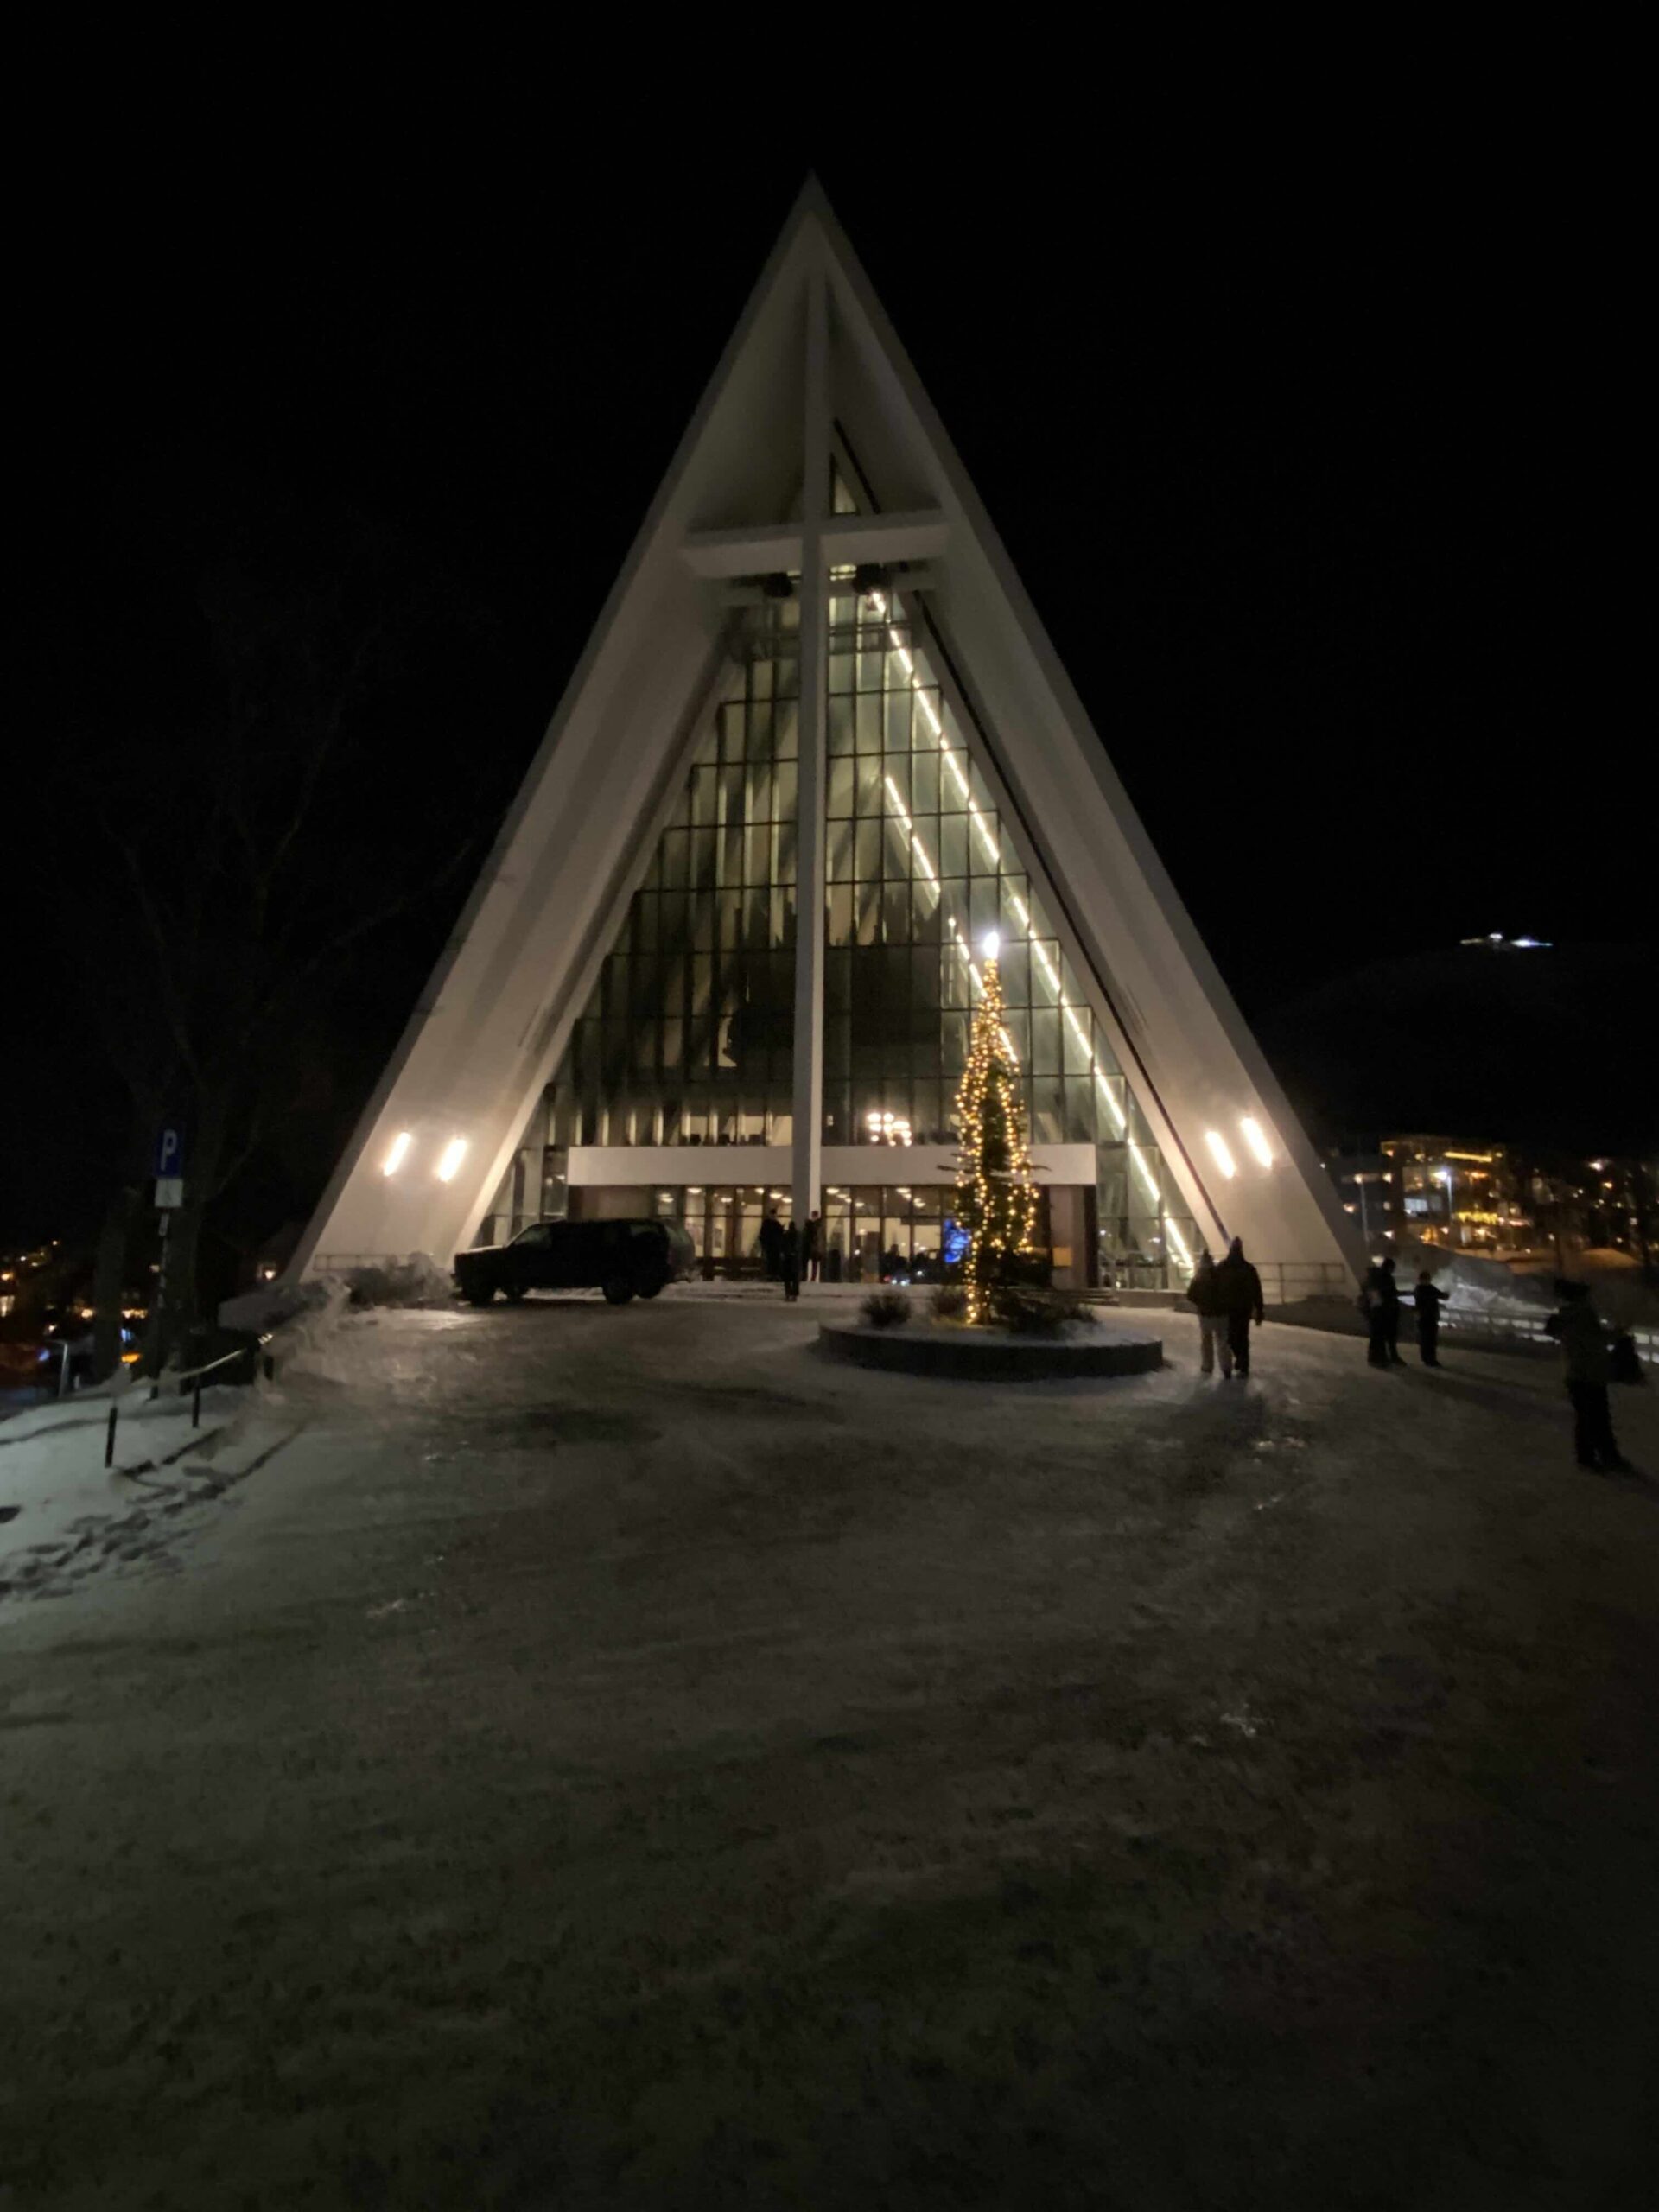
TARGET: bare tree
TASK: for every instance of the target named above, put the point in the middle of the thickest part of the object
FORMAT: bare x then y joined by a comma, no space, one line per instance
238,893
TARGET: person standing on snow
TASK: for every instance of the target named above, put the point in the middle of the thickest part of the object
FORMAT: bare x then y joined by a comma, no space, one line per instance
1379,1301
1576,1327
772,1244
1212,1322
812,1250
1238,1292
788,1262
1429,1300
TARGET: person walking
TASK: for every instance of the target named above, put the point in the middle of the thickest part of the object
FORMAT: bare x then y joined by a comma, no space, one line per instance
1212,1322
1379,1301
788,1262
1587,1354
813,1251
1428,1299
772,1244
1238,1294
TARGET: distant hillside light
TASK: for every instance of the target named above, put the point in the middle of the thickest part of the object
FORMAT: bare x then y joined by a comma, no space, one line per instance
453,1153
1223,1158
1255,1137
398,1154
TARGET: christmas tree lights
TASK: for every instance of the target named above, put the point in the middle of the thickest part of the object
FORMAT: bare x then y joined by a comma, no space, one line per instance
996,1198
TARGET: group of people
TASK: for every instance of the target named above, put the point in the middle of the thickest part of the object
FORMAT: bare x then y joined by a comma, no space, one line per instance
1380,1302
788,1254
1228,1299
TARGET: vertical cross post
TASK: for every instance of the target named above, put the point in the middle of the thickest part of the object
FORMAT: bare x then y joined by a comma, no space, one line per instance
808,1100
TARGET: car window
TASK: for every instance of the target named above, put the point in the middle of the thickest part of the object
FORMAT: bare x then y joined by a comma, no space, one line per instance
537,1235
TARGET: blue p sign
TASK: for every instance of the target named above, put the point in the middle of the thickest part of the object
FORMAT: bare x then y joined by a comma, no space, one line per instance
170,1152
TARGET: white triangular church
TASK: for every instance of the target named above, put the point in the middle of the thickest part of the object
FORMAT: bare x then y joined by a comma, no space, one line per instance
725,952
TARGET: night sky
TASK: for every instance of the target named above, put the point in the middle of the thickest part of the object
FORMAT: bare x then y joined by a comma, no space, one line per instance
1313,489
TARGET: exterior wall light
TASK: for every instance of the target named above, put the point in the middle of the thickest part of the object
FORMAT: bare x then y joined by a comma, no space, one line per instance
1255,1137
453,1153
398,1154
1223,1158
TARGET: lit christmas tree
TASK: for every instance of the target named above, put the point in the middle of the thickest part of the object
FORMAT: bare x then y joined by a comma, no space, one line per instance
996,1198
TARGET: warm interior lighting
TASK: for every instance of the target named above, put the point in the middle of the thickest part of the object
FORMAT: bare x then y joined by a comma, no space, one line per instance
956,769
989,945
1223,1158
396,1157
453,1153
1255,1137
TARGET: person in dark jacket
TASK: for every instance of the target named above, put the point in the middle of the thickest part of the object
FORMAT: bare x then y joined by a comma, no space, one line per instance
812,1250
1212,1322
788,1262
1428,1299
1379,1302
772,1245
1587,1354
1238,1292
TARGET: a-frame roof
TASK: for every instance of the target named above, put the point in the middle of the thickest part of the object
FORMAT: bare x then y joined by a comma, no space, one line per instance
490,1027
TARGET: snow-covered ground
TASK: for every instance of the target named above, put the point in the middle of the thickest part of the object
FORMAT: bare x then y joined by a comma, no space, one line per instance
605,1756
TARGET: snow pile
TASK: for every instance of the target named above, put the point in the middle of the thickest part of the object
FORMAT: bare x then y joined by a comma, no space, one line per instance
418,1280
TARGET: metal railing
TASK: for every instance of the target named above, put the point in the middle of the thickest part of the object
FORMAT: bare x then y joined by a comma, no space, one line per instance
263,1365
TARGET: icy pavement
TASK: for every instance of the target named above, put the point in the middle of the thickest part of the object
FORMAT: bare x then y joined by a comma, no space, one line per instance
613,1757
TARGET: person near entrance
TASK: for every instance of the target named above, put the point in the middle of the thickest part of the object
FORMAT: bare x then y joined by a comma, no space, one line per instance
1238,1290
1212,1322
812,1250
1428,1299
772,1245
788,1262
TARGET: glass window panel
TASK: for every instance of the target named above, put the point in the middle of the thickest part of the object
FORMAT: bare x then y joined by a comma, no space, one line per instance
1044,973
1074,1042
953,845
866,729
924,782
895,916
840,726
1014,964
868,795
867,850
760,733
785,728
839,789
926,912
898,716
841,672
898,854
783,853
869,902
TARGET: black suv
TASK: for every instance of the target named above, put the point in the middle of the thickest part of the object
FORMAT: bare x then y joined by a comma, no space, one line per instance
625,1259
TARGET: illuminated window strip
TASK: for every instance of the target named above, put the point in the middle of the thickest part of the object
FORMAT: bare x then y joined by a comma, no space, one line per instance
906,661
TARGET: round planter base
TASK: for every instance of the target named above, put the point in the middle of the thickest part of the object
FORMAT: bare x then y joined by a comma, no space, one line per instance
989,1355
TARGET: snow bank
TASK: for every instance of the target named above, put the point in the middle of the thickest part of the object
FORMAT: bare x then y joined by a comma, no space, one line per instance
54,1488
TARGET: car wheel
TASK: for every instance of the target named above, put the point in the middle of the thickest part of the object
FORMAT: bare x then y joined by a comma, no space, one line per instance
650,1289
515,1294
481,1297
618,1293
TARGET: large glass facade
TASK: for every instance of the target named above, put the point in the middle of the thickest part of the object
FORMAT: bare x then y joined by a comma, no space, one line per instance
688,1036
920,870
687,1039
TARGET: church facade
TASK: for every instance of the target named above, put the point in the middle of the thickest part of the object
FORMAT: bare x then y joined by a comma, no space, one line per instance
723,958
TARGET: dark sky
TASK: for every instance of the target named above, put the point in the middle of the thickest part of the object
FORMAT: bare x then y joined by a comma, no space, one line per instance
1311,479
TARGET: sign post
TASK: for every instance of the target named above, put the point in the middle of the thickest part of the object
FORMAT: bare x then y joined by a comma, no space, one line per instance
169,1196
